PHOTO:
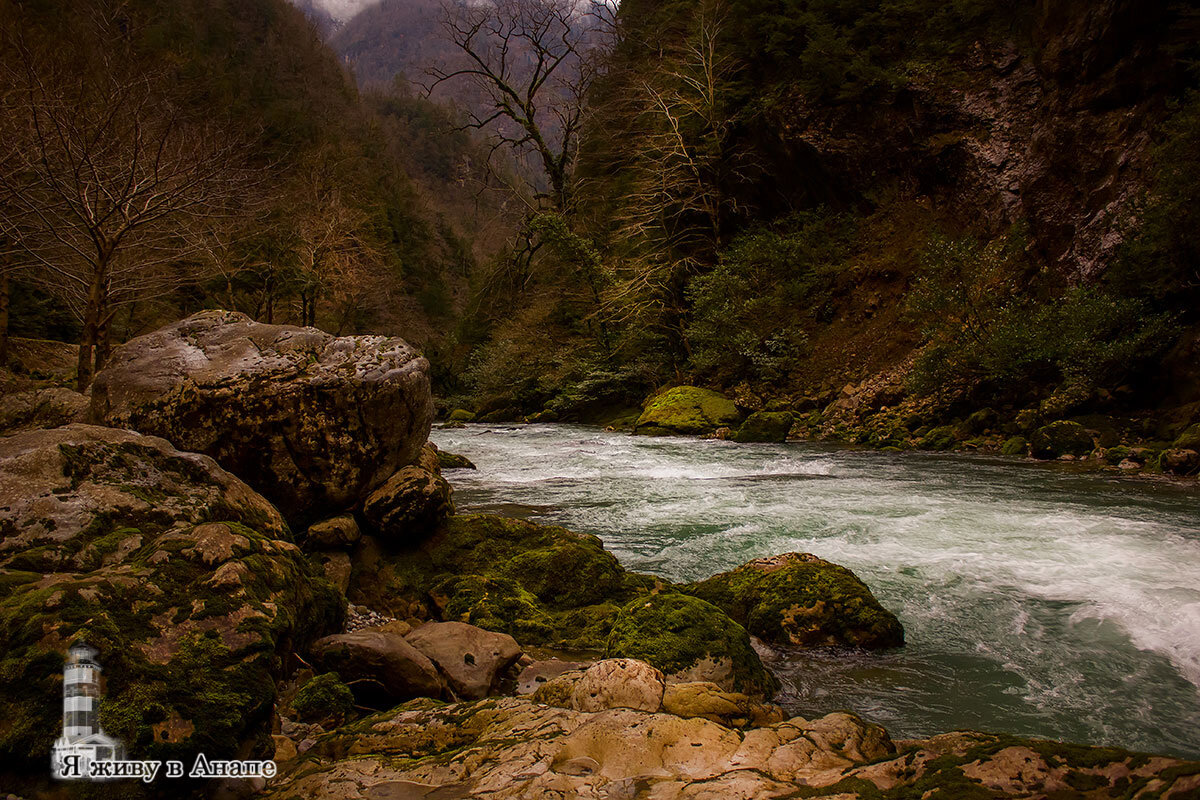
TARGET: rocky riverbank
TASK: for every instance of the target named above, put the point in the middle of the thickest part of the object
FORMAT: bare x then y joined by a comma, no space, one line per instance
302,589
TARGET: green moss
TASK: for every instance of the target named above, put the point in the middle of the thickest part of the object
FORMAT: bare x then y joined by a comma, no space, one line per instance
1188,440
1115,455
453,461
1060,438
940,438
461,415
802,601
765,426
1014,446
323,697
686,410
675,632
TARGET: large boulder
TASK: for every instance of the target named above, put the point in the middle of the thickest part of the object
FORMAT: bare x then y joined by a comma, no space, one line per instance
1060,438
765,426
619,683
799,599
176,571
47,407
473,660
381,668
409,505
686,410
312,421
689,640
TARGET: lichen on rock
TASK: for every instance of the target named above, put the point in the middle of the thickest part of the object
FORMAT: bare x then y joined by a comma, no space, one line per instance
686,410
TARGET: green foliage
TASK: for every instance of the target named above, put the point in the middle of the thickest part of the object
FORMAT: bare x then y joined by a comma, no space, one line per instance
985,322
323,697
747,313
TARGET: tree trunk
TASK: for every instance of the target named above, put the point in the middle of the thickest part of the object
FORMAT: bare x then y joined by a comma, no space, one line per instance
103,341
4,320
91,329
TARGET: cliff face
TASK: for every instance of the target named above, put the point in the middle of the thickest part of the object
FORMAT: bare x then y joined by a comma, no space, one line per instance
1048,127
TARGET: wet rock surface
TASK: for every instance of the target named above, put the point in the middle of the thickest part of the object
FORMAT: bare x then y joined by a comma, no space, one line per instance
312,421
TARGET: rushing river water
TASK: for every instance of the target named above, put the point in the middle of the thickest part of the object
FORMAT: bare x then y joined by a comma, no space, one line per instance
1035,601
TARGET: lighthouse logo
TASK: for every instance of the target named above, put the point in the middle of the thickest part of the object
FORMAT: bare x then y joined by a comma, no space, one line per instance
83,742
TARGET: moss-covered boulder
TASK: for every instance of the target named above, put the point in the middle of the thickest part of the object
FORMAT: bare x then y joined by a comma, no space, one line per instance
453,461
941,438
686,410
1059,439
409,505
323,697
765,426
689,640
1014,446
541,584
1188,440
176,571
461,415
312,421
799,599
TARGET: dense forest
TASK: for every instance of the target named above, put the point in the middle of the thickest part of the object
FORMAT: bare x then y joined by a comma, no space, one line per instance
838,207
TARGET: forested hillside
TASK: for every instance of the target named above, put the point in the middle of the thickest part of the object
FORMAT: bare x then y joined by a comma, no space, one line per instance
860,206
295,198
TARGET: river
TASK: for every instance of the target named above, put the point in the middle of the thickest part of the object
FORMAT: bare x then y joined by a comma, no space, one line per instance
1036,600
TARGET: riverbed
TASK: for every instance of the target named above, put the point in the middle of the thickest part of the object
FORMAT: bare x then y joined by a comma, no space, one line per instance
1036,600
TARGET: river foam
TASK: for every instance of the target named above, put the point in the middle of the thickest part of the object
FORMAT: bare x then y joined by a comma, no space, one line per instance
1036,601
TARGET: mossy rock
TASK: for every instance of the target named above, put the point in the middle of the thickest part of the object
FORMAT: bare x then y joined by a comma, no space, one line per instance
686,410
453,461
765,426
540,584
178,574
1115,455
1188,440
689,639
1059,439
941,438
1015,446
799,599
323,697
461,415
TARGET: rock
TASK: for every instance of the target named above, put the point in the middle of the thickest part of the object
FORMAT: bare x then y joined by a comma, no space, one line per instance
981,421
1115,455
514,748
708,701
1188,440
410,505
1014,446
337,569
537,674
544,416
473,660
41,408
176,571
619,683
1181,462
686,410
940,438
799,599
380,668
689,640
765,426
509,414
314,422
461,415
453,461
539,583
337,533
1059,439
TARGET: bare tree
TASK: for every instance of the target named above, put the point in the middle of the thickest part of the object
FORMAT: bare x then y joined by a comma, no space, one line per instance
536,60
111,186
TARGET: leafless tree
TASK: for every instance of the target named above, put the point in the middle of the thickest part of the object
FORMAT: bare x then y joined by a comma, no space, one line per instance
536,60
111,186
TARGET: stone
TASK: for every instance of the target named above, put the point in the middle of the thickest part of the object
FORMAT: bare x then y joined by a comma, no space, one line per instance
337,569
1014,446
312,421
689,640
453,461
473,660
461,415
765,426
1180,462
686,410
409,505
176,571
538,673
380,668
801,600
337,533
1060,438
619,683
1189,439
709,701
47,407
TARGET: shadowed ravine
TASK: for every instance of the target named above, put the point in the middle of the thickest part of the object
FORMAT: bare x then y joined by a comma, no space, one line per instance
1036,601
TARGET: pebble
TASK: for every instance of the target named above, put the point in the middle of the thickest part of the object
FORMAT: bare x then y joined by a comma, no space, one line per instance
358,617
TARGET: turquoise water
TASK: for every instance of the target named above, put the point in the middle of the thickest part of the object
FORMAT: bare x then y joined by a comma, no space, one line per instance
1036,601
